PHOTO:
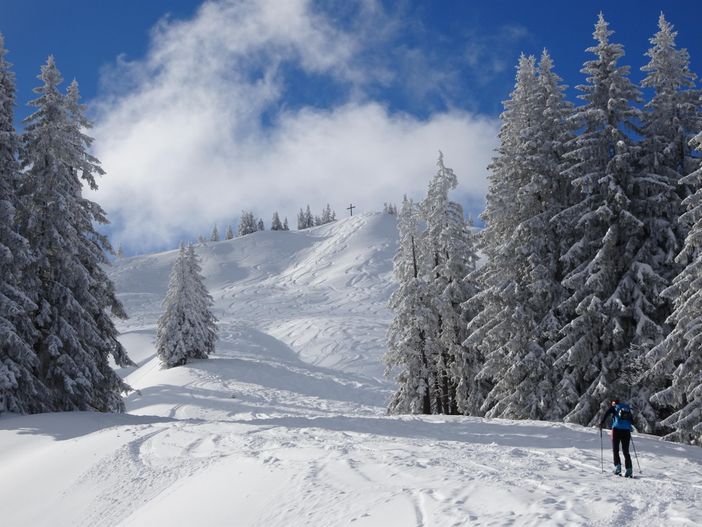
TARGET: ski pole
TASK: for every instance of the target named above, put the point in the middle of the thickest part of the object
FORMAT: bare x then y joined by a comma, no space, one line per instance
601,451
635,454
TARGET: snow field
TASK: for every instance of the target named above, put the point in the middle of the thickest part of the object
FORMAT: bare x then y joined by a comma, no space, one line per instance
285,424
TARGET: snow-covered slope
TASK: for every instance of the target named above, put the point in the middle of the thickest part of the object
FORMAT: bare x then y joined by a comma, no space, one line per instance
285,426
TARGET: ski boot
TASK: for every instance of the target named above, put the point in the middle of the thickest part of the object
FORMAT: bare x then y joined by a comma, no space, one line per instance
617,470
629,473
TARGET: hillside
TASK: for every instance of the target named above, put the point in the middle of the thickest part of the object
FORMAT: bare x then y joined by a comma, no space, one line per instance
285,425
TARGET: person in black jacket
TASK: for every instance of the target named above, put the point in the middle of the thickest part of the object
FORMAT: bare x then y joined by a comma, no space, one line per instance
621,434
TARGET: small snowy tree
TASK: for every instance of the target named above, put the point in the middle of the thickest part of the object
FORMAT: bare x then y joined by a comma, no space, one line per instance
229,235
328,215
286,227
309,219
214,237
186,329
275,223
260,226
247,224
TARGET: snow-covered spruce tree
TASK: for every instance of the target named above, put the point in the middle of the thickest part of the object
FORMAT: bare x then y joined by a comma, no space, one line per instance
679,357
186,329
214,237
276,225
535,133
301,222
21,390
670,120
501,327
448,256
309,219
328,215
202,304
409,337
247,223
604,293
73,295
259,225
229,235
286,227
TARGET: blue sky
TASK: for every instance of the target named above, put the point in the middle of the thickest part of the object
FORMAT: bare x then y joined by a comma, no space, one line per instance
250,96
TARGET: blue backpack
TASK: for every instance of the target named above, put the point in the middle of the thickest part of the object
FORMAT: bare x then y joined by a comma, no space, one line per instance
623,416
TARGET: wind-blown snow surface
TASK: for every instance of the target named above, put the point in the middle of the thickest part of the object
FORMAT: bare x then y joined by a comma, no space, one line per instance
285,426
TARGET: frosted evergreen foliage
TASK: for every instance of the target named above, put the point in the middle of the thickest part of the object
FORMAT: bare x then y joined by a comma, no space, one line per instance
328,215
501,330
679,356
276,225
247,224
448,255
73,295
21,390
286,227
670,120
259,225
409,338
606,293
521,283
186,329
229,234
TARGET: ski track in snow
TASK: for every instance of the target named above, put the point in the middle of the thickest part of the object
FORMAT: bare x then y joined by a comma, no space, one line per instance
285,425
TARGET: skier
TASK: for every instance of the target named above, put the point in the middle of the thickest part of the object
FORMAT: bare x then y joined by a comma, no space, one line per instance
621,433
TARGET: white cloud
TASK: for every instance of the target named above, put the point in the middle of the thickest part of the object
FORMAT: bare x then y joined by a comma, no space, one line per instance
199,129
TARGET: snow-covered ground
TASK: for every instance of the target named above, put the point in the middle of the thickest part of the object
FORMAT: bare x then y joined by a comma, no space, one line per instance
285,426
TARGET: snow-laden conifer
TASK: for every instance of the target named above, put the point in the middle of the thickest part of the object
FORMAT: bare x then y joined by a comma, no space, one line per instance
601,277
259,225
214,236
670,120
229,235
328,215
247,223
448,257
201,303
679,356
535,132
21,390
74,296
276,225
410,337
501,329
286,227
186,329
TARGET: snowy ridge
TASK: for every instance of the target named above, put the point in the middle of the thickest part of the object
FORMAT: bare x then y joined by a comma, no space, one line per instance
285,426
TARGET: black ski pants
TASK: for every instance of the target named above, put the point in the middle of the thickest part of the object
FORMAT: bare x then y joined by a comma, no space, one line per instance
623,437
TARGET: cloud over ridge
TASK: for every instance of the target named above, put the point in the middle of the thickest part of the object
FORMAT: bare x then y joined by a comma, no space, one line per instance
203,126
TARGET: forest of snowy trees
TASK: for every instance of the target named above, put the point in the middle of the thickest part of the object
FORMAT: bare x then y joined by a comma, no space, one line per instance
56,332
593,257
